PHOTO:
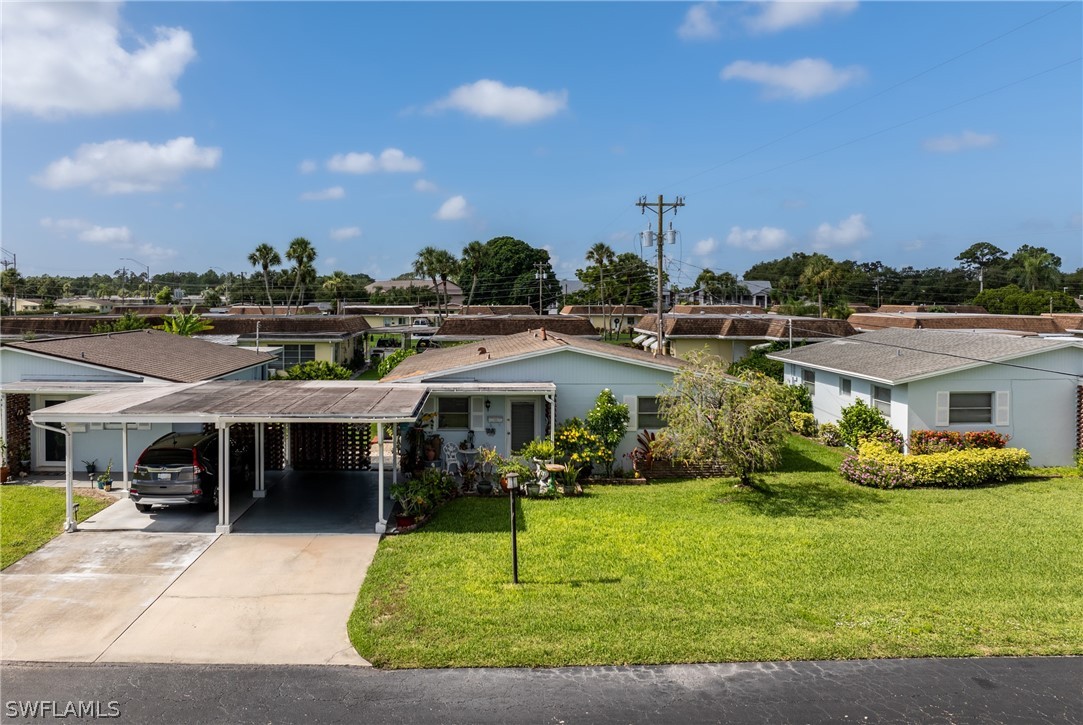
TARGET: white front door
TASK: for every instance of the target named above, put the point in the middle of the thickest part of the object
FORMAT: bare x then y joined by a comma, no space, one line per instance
522,423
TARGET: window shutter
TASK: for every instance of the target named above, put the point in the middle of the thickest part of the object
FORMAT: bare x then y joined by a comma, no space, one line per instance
477,413
1003,405
943,400
633,411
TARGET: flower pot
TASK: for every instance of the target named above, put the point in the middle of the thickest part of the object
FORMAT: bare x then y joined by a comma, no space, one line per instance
403,520
4,474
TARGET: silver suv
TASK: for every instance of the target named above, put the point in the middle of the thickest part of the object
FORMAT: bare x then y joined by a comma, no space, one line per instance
182,469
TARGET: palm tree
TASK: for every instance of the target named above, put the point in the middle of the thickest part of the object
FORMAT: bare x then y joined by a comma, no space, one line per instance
336,284
425,265
1039,270
266,257
302,254
445,264
601,254
184,323
820,273
473,258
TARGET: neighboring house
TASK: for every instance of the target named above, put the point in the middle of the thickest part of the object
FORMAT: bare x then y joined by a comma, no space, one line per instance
25,304
378,316
338,339
40,373
940,309
731,337
622,317
454,292
508,389
460,328
89,304
716,310
1033,324
1025,387
497,310
759,295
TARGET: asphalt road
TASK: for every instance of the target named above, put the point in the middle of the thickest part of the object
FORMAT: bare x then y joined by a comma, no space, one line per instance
987,690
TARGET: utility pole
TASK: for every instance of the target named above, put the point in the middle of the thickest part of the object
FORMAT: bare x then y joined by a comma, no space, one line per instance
662,206
540,266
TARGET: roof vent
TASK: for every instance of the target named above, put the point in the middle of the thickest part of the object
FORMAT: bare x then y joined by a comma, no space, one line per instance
481,351
543,334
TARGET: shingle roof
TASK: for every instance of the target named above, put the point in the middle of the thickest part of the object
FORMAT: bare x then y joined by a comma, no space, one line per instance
445,360
717,309
465,327
896,355
954,321
767,327
971,309
452,288
602,310
497,310
151,353
390,310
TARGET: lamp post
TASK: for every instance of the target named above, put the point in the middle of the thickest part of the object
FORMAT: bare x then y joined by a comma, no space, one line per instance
513,483
141,264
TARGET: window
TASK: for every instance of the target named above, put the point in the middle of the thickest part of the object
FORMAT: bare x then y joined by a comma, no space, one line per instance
808,379
970,408
845,386
297,354
647,413
881,399
453,412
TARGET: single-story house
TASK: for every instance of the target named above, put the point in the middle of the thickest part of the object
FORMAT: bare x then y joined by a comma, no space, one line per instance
1024,386
1032,324
508,390
460,328
378,316
731,337
40,373
716,310
91,304
338,339
454,291
618,316
759,295
496,310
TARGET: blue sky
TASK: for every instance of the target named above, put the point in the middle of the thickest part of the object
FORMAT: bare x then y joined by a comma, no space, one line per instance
184,134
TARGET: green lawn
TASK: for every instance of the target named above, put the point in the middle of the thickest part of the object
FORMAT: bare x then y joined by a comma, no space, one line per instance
698,571
31,515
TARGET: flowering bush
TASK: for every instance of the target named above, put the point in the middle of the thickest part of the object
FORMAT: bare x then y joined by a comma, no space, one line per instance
984,439
888,436
860,420
804,424
608,421
576,445
936,441
878,464
829,435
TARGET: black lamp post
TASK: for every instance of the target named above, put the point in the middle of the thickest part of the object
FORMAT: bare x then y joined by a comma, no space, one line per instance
513,483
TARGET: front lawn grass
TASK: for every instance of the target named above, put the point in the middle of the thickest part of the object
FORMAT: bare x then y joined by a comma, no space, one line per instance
32,515
812,567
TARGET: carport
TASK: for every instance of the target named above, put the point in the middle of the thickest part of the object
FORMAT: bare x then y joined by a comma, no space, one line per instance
226,403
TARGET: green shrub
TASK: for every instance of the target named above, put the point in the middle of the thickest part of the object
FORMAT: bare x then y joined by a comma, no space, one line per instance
388,363
860,420
877,464
797,398
938,441
1079,459
317,370
829,435
804,424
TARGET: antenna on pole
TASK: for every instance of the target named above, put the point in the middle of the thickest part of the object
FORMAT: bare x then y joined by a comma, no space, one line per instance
662,206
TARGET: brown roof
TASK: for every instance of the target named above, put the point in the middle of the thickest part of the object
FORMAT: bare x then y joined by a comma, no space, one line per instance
497,310
970,309
1066,320
146,310
602,310
766,327
444,360
452,288
388,310
1033,324
484,326
717,309
221,324
151,353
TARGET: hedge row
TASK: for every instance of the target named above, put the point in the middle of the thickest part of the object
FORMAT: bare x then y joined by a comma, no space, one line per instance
937,441
879,466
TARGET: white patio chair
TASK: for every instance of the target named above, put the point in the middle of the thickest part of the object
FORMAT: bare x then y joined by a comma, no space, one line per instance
451,460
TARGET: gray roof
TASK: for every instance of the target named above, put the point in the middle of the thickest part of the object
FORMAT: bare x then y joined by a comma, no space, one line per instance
897,356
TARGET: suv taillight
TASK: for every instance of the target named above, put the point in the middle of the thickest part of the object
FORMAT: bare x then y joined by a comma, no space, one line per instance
198,469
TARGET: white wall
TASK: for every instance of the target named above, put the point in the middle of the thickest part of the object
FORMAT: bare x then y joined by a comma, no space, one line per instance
16,365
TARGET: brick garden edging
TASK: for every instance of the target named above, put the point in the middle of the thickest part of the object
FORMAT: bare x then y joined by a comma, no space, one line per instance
661,468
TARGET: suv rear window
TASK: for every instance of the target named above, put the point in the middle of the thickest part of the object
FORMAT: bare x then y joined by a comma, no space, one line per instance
167,456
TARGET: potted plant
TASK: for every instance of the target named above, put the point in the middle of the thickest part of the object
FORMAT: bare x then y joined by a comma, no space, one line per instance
643,454
516,466
539,450
489,463
413,498
4,471
569,479
105,478
91,467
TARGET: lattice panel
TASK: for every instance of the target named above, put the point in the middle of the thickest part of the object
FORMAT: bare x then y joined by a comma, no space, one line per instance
330,446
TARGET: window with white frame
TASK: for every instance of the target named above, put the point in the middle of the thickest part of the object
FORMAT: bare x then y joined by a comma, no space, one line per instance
453,412
970,408
297,354
647,413
808,379
881,399
845,386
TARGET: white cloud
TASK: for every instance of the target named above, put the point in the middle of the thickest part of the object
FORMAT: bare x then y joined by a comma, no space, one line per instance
913,245
757,240
117,237
950,144
771,17
425,186
67,58
307,166
153,253
452,209
334,192
705,246
342,233
492,99
699,23
850,230
390,160
125,167
800,80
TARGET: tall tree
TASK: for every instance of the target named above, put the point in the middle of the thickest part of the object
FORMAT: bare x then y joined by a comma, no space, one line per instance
302,254
425,265
445,264
1036,267
336,285
820,273
184,323
600,255
980,256
265,256
472,260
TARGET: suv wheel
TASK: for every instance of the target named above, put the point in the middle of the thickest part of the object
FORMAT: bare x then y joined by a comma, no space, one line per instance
212,504
142,508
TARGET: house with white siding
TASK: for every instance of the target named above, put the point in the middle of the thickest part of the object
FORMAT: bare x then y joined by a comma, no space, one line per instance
509,390
1026,387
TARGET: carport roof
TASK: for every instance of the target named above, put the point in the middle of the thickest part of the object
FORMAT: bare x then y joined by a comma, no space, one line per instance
252,401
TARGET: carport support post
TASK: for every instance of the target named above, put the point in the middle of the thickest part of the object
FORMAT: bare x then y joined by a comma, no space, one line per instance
124,451
71,524
224,526
381,525
394,453
260,490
